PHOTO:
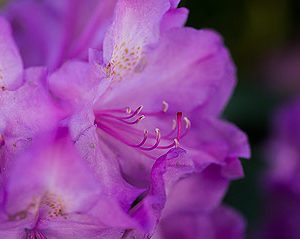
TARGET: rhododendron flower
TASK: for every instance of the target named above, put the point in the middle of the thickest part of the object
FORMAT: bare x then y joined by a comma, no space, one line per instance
143,98
138,79
281,180
143,119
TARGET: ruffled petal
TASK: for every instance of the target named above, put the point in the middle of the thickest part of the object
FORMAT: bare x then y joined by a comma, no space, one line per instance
74,83
199,192
222,222
136,25
189,69
27,111
101,158
165,172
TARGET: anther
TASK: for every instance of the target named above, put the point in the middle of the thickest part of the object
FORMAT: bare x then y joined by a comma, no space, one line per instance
174,124
128,110
165,106
176,142
157,141
187,122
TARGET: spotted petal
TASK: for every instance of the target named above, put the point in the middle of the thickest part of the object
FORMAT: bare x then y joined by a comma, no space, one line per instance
60,196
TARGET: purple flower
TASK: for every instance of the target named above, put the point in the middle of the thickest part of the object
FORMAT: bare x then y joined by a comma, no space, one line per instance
281,180
144,122
51,193
156,86
140,77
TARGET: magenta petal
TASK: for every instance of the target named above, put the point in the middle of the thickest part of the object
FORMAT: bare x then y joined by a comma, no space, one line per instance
224,142
174,18
11,66
57,178
221,223
51,167
27,111
101,158
74,83
165,172
136,24
201,192
174,3
199,75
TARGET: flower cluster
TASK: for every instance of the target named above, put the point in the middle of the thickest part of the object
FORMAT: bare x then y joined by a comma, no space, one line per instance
110,123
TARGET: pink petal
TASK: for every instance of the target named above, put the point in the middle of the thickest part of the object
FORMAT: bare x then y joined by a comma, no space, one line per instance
11,66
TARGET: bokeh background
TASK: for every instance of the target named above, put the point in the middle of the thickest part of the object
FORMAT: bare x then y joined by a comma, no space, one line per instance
263,37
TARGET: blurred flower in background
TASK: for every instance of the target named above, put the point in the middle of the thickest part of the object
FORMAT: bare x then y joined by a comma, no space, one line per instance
281,187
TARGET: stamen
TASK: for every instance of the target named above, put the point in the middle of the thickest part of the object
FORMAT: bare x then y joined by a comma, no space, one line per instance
165,106
121,118
168,146
128,110
176,141
136,112
134,122
143,141
113,124
187,126
174,125
187,122
157,133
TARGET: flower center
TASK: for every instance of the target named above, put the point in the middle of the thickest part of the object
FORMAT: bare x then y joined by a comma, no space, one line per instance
123,125
48,206
53,205
125,58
